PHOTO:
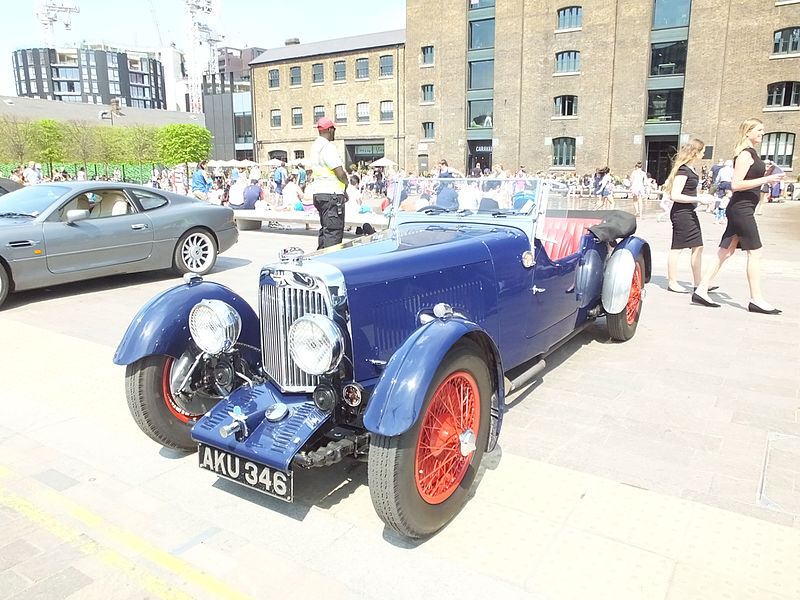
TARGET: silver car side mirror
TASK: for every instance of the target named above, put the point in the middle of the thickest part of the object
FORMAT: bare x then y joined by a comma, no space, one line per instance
77,215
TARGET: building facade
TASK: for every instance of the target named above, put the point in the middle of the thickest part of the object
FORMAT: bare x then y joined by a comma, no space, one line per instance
555,85
358,82
228,109
236,61
92,75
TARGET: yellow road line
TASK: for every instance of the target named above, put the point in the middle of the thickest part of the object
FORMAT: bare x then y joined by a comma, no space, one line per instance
129,540
90,547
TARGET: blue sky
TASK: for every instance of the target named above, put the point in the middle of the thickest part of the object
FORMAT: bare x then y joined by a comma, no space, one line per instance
267,24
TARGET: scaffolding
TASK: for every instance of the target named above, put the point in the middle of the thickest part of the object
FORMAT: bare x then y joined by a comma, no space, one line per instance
49,13
201,51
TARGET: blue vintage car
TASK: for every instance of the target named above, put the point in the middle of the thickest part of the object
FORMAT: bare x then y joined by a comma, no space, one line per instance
400,346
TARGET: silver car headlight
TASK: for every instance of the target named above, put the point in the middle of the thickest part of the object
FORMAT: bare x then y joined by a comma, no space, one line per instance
215,326
316,344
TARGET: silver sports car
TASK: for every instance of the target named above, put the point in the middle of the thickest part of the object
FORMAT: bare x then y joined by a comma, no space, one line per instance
59,232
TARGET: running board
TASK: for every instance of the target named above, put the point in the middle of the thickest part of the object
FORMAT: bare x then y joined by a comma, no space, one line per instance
525,377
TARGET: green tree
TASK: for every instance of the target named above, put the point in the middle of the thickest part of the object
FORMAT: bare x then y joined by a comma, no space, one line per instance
81,141
141,144
183,143
110,145
50,141
16,138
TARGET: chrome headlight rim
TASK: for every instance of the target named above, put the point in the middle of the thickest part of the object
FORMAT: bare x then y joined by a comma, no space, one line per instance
328,332
215,326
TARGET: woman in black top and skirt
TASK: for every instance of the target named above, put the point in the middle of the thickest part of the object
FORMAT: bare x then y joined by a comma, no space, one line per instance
682,183
749,174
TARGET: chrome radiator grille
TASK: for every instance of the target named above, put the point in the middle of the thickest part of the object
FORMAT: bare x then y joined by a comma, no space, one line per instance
280,306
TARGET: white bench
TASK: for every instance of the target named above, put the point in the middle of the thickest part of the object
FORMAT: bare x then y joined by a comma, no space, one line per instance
249,220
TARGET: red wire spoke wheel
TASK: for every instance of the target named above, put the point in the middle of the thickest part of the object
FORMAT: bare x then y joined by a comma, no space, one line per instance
635,298
622,325
176,409
420,479
447,437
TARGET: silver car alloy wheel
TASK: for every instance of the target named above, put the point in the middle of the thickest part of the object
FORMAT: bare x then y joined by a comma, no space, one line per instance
197,252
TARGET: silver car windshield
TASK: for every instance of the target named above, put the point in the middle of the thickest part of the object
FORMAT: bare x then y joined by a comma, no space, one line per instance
31,200
488,196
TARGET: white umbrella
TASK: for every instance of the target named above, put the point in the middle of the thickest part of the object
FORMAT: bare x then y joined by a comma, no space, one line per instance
248,163
273,162
216,163
383,162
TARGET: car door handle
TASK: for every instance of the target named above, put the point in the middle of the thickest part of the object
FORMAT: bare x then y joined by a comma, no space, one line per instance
139,226
538,290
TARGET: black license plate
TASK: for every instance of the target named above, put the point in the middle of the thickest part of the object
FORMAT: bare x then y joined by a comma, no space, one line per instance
275,483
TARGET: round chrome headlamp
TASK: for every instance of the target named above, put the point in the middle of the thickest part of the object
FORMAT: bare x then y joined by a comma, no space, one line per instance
316,344
215,326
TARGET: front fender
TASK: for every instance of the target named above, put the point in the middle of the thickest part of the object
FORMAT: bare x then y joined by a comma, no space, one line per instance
162,325
396,402
618,272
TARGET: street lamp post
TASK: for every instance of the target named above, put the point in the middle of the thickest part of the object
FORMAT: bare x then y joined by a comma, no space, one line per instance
109,114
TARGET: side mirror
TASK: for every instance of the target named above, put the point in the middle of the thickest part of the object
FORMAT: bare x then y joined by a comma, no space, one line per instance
76,215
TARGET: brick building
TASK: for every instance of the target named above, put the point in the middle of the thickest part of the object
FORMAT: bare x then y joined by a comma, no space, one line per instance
553,85
358,82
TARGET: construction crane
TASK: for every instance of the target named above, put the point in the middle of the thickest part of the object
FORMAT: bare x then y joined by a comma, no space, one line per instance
201,47
155,22
49,13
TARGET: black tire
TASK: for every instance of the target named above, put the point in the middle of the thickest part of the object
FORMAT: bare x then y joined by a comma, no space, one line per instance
622,326
163,418
5,284
196,252
392,467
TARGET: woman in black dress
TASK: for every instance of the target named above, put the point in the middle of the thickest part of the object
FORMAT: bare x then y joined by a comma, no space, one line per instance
682,183
749,174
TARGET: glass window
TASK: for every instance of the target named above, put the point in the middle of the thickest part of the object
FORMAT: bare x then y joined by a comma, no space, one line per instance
428,130
386,65
275,117
243,127
427,92
668,58
319,112
787,41
570,17
387,110
778,147
427,55
481,75
564,152
297,116
480,113
148,200
481,34
784,93
299,154
671,13
339,70
565,106
362,68
664,105
362,112
340,113
568,62
317,73
294,76
274,78
473,4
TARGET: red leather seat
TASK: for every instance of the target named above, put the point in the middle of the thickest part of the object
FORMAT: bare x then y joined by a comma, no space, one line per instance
562,235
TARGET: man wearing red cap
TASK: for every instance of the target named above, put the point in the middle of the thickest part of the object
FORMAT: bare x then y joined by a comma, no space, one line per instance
330,183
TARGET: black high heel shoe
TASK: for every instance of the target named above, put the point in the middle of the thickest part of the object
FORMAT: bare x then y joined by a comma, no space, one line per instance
755,308
697,299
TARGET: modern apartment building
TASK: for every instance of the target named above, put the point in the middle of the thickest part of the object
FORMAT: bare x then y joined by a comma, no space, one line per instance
572,86
228,109
90,74
236,61
358,82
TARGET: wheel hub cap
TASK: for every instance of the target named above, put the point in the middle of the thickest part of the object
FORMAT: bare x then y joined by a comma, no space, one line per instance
467,442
